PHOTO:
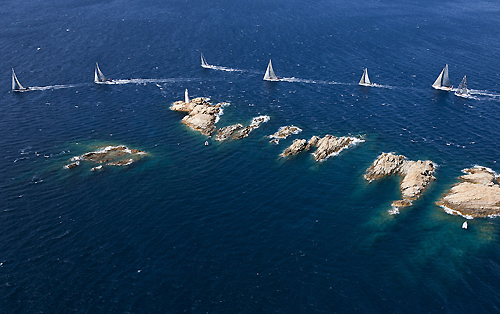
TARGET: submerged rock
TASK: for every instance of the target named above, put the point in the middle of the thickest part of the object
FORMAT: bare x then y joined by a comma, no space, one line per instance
284,132
109,156
477,195
202,116
326,147
416,175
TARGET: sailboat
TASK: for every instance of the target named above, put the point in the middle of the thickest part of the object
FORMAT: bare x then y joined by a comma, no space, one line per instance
462,90
464,225
443,80
365,80
204,63
16,86
270,76
99,78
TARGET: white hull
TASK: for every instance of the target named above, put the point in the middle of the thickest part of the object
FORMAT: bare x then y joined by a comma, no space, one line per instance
366,84
463,95
272,80
448,89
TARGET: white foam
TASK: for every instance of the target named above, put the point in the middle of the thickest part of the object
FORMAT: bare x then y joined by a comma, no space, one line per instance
393,211
41,88
455,212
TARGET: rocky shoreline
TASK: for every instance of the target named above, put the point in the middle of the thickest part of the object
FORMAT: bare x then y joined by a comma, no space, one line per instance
416,175
202,116
109,156
326,147
477,195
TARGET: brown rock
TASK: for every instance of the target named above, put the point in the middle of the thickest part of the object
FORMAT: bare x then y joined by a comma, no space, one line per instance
296,147
478,195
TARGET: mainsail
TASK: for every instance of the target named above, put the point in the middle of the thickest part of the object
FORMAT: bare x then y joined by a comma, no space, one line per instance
98,76
462,90
204,62
364,79
443,80
270,76
16,86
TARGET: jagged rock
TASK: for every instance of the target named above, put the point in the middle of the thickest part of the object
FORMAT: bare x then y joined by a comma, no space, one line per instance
478,195
326,146
416,175
256,122
110,156
284,132
297,146
202,116
225,132
331,145
72,165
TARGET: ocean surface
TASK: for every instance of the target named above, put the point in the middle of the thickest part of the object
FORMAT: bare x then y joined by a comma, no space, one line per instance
231,227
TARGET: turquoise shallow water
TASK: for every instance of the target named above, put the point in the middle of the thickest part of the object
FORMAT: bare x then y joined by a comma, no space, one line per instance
230,227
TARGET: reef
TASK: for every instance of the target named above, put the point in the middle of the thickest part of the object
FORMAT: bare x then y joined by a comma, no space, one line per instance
284,132
237,131
202,116
326,147
477,195
416,175
109,156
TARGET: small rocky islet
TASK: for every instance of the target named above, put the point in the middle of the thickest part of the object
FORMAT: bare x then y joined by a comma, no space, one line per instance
202,116
476,195
283,133
416,176
109,156
326,147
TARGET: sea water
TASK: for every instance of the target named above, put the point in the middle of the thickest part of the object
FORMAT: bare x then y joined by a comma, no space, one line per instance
231,227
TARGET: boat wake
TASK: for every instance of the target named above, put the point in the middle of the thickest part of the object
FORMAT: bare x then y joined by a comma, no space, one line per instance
51,87
219,68
483,93
146,81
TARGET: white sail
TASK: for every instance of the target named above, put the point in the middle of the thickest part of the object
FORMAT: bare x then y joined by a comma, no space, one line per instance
270,76
465,225
204,62
16,86
443,80
98,76
462,90
186,97
365,80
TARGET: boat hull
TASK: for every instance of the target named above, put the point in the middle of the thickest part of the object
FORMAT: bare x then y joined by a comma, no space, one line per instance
447,89
366,84
21,90
272,80
463,95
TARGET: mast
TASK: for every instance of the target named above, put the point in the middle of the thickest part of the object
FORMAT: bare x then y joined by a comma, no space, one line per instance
270,76
15,82
364,78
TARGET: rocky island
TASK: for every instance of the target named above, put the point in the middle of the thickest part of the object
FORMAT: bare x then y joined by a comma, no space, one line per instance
416,175
202,116
109,156
477,195
284,132
237,131
326,147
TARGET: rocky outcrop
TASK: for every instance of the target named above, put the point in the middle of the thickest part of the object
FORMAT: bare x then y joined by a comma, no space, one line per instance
237,131
284,132
202,116
226,132
416,175
326,147
297,146
109,156
477,195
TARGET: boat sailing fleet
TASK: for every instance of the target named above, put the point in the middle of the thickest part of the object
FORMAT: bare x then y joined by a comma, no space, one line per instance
442,82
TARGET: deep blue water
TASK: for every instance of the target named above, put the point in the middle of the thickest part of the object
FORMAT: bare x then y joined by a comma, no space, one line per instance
230,227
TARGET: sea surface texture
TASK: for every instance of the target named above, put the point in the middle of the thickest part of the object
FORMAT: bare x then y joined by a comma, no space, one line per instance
231,227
